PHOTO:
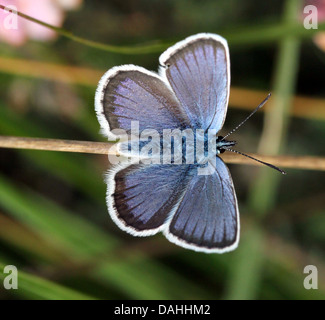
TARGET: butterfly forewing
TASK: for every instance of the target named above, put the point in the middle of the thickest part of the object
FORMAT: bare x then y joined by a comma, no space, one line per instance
198,72
131,93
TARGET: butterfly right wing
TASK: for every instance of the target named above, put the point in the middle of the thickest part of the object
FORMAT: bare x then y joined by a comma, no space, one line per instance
198,70
207,217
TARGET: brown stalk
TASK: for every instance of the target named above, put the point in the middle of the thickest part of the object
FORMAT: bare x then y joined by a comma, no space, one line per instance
284,161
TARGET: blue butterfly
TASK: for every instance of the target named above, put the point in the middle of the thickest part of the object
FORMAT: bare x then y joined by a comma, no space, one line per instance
198,212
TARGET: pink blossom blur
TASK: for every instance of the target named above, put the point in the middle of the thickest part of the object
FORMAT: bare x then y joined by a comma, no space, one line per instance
50,11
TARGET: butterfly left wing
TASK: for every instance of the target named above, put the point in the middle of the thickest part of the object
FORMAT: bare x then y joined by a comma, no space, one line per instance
198,70
141,198
207,217
130,94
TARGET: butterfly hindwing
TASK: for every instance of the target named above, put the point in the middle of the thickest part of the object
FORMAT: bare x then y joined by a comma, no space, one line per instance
207,217
142,197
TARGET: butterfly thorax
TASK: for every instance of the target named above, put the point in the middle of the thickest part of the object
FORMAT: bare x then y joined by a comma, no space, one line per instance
200,148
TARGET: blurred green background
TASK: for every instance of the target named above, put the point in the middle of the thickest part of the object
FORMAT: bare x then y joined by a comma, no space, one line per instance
54,224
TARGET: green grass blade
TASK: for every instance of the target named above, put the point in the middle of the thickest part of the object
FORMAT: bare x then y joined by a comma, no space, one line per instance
34,287
263,192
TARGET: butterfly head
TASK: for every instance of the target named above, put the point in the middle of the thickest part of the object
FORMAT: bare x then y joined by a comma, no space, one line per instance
223,145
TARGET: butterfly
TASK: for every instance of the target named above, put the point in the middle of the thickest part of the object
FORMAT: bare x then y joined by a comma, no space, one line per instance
191,91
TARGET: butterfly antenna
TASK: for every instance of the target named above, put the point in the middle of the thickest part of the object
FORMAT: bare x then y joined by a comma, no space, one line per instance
267,164
258,107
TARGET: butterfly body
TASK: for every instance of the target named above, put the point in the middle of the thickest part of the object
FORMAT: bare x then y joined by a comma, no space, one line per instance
174,182
182,146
